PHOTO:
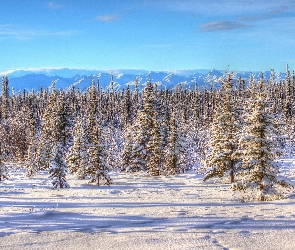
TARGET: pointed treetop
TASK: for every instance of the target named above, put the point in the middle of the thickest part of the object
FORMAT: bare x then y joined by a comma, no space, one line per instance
287,69
93,82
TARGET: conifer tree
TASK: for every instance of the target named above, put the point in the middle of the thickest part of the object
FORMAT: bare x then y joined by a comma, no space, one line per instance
138,153
58,168
97,166
142,131
174,150
127,152
5,98
32,122
155,148
164,127
48,135
3,169
63,123
224,137
31,162
258,148
127,106
78,157
288,109
91,112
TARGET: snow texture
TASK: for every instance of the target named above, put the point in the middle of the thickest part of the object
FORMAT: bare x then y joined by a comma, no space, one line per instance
141,212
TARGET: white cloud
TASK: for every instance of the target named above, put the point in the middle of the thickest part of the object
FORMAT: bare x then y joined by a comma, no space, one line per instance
224,7
222,26
54,5
108,18
16,32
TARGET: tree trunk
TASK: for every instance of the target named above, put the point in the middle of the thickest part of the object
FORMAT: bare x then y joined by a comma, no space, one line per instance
231,177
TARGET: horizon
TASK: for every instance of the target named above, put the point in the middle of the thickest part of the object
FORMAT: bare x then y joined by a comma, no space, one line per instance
120,71
148,35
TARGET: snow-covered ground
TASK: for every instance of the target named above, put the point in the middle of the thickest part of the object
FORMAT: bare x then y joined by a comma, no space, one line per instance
140,212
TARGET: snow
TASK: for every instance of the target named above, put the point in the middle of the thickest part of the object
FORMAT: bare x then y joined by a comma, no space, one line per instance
141,212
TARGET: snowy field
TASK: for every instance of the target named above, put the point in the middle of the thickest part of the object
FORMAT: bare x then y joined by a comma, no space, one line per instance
140,212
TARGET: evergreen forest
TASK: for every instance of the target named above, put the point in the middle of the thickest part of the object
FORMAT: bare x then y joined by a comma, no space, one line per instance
236,133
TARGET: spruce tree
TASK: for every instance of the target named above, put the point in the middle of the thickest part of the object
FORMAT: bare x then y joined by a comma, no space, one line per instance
224,136
127,105
174,150
97,167
288,109
58,168
48,135
138,153
91,111
154,146
78,157
5,98
258,148
143,130
3,169
63,123
127,153
31,159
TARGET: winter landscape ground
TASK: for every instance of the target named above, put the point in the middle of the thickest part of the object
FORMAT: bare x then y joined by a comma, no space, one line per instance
141,212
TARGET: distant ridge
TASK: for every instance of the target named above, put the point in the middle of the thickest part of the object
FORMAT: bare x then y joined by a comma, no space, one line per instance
82,78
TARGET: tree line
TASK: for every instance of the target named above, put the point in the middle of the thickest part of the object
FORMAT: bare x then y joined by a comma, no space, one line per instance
237,132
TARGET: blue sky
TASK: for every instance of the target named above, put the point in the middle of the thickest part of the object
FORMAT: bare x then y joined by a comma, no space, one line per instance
147,34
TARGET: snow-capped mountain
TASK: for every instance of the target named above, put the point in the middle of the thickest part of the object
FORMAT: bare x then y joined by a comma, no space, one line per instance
80,78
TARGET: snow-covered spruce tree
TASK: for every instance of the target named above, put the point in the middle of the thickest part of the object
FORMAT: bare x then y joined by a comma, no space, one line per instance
142,130
78,156
174,150
5,98
138,151
97,167
259,151
154,146
127,105
113,142
13,137
31,162
58,168
3,169
288,109
47,136
224,136
164,125
127,151
63,123
32,122
91,111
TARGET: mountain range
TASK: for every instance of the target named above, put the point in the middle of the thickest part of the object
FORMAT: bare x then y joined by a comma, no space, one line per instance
65,78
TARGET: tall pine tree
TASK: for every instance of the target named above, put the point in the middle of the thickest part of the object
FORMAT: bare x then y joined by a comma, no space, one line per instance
258,148
58,168
3,169
78,156
224,136
97,166
174,150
